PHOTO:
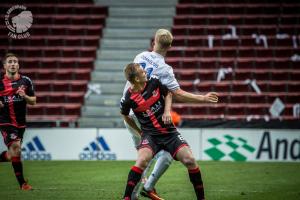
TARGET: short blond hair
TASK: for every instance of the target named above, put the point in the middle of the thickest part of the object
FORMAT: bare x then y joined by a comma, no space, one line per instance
163,38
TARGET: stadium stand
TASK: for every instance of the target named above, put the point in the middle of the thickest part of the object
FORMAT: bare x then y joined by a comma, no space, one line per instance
224,46
252,41
129,28
58,56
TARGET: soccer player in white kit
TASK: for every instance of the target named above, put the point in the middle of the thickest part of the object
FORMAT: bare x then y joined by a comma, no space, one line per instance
154,64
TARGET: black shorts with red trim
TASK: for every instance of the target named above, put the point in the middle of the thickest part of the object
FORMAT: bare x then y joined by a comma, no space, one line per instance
11,134
168,142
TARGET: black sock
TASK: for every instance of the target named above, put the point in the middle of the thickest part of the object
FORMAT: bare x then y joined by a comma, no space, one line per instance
18,168
195,178
134,177
3,157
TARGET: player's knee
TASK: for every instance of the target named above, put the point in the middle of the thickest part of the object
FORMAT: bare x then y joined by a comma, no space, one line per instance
142,162
189,162
15,149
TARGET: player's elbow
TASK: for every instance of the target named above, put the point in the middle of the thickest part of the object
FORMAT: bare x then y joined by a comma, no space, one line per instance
32,102
178,94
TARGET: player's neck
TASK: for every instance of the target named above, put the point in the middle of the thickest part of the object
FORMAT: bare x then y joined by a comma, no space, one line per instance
138,87
12,76
161,52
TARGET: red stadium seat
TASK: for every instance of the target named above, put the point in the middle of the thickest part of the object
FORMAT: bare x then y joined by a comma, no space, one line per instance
272,68
59,55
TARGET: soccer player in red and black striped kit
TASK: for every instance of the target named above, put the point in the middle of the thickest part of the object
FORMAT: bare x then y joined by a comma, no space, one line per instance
150,100
16,91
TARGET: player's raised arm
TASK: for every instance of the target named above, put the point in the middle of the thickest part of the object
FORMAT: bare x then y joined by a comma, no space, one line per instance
183,96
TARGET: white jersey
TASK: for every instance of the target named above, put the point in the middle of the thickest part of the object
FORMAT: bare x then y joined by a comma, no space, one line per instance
154,64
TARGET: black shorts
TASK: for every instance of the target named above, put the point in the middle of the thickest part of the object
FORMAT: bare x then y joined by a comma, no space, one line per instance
11,134
168,142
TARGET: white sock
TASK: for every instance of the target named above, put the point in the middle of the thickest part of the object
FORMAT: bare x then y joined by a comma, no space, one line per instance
164,160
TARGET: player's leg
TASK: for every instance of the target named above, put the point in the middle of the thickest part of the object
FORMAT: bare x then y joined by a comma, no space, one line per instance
135,174
13,142
15,152
179,149
185,156
163,161
4,156
137,140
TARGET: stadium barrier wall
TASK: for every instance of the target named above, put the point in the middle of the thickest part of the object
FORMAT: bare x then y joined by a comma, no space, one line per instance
116,144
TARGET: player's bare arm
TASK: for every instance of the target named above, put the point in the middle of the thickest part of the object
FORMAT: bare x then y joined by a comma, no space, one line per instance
131,123
166,118
1,104
31,100
183,96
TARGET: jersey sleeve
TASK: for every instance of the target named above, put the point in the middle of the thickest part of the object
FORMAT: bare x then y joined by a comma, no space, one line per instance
168,79
125,105
30,87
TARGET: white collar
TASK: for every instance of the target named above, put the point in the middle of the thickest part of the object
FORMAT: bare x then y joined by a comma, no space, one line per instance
158,55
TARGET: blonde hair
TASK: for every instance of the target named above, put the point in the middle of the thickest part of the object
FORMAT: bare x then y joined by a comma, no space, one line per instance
163,38
130,71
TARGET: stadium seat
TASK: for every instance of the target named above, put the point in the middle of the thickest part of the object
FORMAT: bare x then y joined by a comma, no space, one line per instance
59,55
197,65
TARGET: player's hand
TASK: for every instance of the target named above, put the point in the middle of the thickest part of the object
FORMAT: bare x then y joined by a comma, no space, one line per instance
1,104
211,97
167,118
21,91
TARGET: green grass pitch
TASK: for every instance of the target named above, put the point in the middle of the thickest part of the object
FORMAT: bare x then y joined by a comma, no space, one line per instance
96,180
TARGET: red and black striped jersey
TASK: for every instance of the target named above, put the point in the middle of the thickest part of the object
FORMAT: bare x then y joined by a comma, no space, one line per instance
14,111
148,106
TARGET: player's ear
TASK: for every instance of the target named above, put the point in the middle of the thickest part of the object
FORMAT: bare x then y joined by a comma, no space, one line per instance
136,79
